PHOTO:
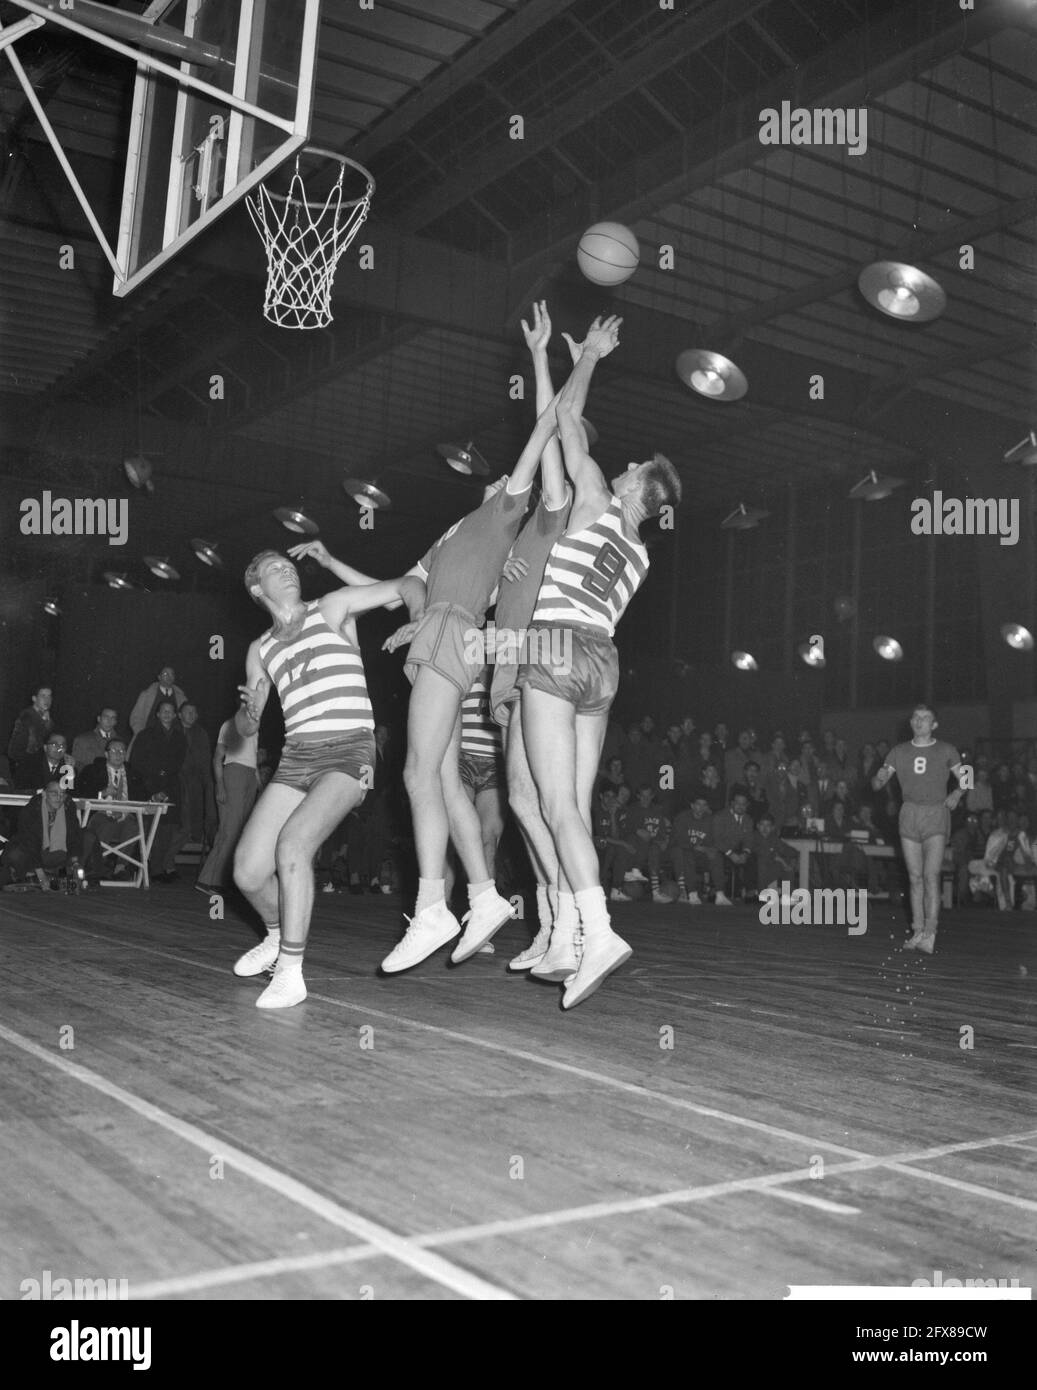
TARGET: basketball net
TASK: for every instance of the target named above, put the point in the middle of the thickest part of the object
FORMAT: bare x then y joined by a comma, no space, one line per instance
304,241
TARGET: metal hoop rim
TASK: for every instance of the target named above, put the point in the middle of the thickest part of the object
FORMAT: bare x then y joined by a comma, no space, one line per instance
320,203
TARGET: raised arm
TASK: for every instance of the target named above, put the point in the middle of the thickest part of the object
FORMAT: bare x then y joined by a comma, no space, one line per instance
585,474
318,551
386,593
552,474
885,772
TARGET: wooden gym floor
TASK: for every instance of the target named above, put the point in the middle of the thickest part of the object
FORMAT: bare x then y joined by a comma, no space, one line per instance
739,1109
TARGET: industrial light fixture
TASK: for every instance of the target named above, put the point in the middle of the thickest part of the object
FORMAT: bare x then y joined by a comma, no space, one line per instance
812,654
888,648
874,487
711,374
366,495
743,518
1018,637
296,519
160,566
118,581
207,552
744,661
464,458
1024,452
902,291
138,469
50,606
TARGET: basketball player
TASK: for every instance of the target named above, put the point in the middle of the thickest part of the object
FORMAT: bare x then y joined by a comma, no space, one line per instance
923,766
593,571
463,569
311,654
516,601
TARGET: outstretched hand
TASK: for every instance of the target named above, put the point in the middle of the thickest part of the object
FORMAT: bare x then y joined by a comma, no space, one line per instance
538,337
316,550
602,337
401,637
253,698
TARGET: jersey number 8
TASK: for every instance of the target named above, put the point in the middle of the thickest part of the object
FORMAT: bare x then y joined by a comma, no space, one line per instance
920,766
608,566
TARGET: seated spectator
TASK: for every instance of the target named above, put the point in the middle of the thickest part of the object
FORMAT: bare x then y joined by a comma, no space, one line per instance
693,851
613,775
94,744
647,830
980,798
736,758
824,788
721,742
705,755
1001,788
48,838
109,778
31,730
735,836
776,862
707,786
868,765
752,789
843,795
851,867
609,842
640,760
842,762
50,763
989,871
785,795
968,843
774,761
688,732
1022,864
146,707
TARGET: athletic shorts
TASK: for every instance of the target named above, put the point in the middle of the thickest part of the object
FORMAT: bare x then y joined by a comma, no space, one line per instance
302,763
582,670
503,694
444,641
479,773
918,822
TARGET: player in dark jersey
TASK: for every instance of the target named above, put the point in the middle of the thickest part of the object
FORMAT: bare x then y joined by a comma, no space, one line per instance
516,602
311,653
594,570
463,568
923,767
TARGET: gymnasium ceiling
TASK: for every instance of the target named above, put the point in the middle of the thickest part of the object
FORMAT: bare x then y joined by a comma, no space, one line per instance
631,113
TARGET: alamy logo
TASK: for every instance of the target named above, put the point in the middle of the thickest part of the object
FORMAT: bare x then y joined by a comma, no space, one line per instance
524,646
824,907
79,1343
76,516
971,516
49,1287
840,125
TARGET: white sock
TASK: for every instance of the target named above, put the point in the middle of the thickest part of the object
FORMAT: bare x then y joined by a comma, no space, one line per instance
594,914
430,892
476,890
273,933
544,905
289,964
567,919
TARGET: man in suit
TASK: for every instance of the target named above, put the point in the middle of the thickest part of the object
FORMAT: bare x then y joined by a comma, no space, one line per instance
146,707
734,836
196,794
48,838
111,778
50,763
87,747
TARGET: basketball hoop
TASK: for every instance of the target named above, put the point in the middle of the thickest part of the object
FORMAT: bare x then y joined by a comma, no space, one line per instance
304,240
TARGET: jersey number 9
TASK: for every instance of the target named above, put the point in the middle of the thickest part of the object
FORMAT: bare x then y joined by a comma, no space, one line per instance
608,566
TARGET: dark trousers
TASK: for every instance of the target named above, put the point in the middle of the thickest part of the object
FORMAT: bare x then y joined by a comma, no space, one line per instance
241,788
691,864
197,806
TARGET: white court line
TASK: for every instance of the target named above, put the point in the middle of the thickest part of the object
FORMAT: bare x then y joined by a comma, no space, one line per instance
258,1269
821,1203
895,1162
429,1265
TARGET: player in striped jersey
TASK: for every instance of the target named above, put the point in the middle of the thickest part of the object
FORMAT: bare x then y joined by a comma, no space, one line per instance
311,654
923,768
593,571
463,568
481,769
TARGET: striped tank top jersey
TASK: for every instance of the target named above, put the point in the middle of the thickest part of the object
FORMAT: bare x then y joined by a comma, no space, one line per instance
320,679
592,574
480,735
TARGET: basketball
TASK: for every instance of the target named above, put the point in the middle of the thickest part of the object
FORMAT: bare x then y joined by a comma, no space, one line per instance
670,889
608,253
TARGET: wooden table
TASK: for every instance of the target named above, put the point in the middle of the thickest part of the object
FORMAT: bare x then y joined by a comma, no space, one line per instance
14,799
821,846
141,839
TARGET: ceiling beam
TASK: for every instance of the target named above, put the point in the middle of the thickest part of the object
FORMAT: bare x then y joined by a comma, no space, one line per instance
674,43
872,59
468,67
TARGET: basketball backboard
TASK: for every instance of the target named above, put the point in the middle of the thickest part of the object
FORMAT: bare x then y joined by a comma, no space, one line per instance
223,96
